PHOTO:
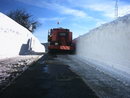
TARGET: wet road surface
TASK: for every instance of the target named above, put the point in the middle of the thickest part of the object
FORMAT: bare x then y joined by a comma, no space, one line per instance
48,78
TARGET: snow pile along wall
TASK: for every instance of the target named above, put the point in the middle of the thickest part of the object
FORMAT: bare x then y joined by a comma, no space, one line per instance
15,39
108,46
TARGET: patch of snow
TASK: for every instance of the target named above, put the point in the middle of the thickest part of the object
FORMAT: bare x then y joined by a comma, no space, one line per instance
102,67
10,68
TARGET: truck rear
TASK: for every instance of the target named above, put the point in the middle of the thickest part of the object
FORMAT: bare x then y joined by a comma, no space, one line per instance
60,39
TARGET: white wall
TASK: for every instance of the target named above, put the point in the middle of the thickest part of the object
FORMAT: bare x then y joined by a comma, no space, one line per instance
15,39
107,45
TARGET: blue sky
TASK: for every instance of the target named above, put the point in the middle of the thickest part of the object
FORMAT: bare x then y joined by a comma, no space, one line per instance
79,16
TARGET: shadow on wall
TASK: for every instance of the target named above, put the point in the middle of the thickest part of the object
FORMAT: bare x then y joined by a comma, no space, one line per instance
26,48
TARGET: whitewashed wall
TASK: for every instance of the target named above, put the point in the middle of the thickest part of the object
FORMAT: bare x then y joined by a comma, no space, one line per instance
108,46
15,39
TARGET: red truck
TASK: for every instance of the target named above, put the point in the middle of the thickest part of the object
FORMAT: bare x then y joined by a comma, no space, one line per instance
60,39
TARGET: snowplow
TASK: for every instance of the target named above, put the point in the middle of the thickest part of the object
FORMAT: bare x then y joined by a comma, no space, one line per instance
60,39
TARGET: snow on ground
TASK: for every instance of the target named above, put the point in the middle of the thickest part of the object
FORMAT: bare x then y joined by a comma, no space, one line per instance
103,84
10,68
107,48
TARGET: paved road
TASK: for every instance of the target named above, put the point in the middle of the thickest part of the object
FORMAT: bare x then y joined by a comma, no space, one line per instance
48,78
